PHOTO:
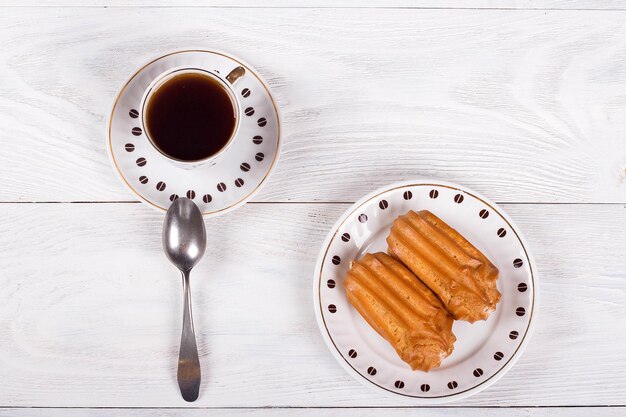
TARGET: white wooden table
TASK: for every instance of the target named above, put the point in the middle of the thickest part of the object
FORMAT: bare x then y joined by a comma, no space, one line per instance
524,101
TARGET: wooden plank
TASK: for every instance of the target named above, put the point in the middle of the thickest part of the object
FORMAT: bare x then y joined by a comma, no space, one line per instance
436,4
90,310
520,105
327,412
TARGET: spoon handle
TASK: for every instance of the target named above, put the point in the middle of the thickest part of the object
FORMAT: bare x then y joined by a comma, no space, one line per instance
188,362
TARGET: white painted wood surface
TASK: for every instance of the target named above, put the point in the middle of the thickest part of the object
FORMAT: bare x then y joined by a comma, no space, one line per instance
522,105
91,310
522,100
335,412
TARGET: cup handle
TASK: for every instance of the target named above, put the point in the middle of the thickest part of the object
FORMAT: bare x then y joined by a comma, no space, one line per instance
235,74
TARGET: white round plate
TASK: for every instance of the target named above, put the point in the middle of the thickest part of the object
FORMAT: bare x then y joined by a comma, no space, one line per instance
238,173
485,350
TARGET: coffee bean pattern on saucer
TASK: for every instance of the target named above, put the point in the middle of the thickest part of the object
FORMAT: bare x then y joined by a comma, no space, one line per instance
249,111
458,198
513,335
478,372
245,167
141,162
262,122
520,311
483,214
498,356
160,186
399,384
136,131
239,182
191,194
143,179
336,260
371,370
207,198
501,232
383,204
518,263
425,387
522,287
129,147
407,195
221,187
257,140
331,283
245,92
345,237
259,156
363,218
352,353
133,113
173,197
332,308
452,384
433,194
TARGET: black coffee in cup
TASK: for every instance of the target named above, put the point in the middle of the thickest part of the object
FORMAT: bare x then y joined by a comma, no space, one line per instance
190,116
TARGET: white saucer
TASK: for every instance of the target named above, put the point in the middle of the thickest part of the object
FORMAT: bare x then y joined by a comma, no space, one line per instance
485,350
237,175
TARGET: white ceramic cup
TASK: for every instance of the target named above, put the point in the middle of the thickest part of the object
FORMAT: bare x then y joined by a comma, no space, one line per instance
225,81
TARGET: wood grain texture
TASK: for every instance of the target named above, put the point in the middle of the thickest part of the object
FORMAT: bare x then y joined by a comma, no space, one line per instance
90,310
333,412
335,4
519,105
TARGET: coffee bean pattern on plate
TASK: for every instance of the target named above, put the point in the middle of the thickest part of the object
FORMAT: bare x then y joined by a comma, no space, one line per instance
245,167
143,179
249,111
245,92
391,204
262,122
207,198
141,162
259,156
191,194
160,186
221,187
129,147
133,113
352,353
136,131
330,283
332,308
239,182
